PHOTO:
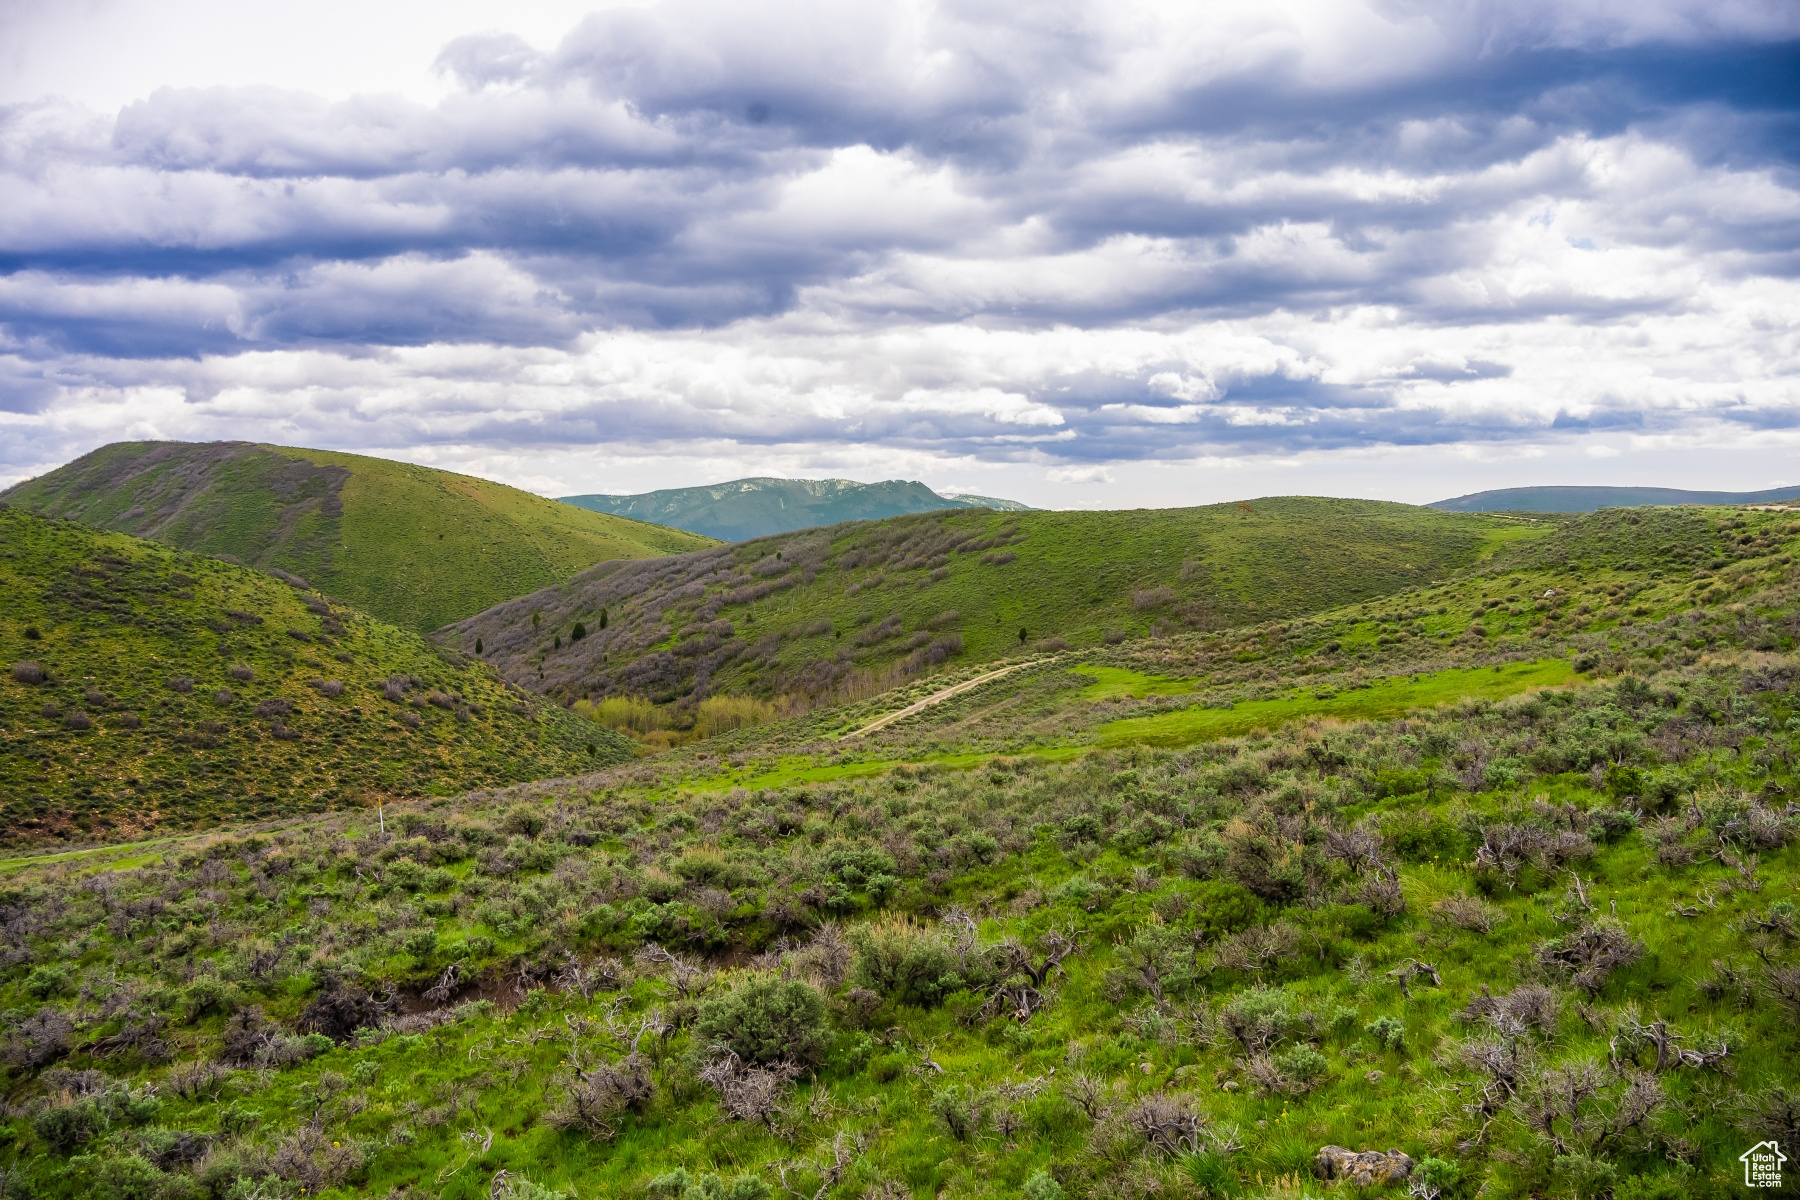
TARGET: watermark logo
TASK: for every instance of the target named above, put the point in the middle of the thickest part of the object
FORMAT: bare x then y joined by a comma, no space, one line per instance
1762,1165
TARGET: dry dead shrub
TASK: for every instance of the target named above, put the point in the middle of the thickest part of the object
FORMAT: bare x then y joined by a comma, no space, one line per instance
1592,953
314,1161
341,1008
1170,1124
596,1099
242,672
826,959
1530,1006
29,673
1380,893
192,1080
1468,912
38,1040
749,1093
1258,948
1667,835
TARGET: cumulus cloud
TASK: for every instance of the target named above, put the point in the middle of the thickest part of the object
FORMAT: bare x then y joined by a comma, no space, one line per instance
1063,236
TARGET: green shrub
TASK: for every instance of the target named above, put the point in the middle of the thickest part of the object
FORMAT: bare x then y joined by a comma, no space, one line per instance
1261,1016
1041,1187
1301,1063
1421,837
766,1020
680,1185
45,982
205,995
1223,908
885,1068
903,961
1388,1032
131,1177
68,1127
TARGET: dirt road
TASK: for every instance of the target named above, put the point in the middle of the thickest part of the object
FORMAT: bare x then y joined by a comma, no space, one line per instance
937,698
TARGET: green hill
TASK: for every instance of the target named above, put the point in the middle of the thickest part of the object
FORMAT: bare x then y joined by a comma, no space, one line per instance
1410,896
412,545
147,688
1591,499
748,508
853,609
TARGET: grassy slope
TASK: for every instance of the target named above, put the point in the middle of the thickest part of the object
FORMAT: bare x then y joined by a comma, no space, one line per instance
117,618
1160,858
414,546
1068,575
1634,590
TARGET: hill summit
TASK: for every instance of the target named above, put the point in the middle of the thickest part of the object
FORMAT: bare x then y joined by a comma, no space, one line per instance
412,545
749,508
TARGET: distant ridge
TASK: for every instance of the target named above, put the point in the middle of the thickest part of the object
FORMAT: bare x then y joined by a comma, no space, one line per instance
1592,499
749,508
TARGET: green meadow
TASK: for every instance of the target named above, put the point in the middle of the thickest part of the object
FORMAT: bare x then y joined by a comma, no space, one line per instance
1383,698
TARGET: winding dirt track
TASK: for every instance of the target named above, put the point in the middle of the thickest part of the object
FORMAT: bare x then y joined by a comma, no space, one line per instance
937,698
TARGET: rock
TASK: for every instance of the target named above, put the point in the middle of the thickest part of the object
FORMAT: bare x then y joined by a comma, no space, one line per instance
1364,1168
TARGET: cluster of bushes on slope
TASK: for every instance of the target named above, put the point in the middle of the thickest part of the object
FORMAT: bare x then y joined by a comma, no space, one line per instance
146,688
1602,609
1512,947
844,612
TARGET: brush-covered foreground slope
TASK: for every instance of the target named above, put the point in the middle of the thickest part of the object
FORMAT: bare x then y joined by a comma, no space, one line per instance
146,688
857,608
1544,946
414,546
748,508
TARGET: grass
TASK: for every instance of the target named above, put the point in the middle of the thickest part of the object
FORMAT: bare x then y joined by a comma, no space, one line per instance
846,612
1388,697
281,704
415,546
1166,861
1293,869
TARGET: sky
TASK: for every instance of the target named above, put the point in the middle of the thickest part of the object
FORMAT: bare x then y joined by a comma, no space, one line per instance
1107,254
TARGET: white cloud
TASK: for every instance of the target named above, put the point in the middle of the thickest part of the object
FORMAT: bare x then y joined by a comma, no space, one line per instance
777,238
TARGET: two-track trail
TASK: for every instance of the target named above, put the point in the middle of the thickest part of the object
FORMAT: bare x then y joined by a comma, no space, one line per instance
938,698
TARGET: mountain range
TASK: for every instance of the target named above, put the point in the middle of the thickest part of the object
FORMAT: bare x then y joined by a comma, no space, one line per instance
1592,499
750,508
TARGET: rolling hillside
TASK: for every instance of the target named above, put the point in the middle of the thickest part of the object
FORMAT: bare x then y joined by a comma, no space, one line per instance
146,688
856,608
1592,499
747,508
411,545
1482,889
